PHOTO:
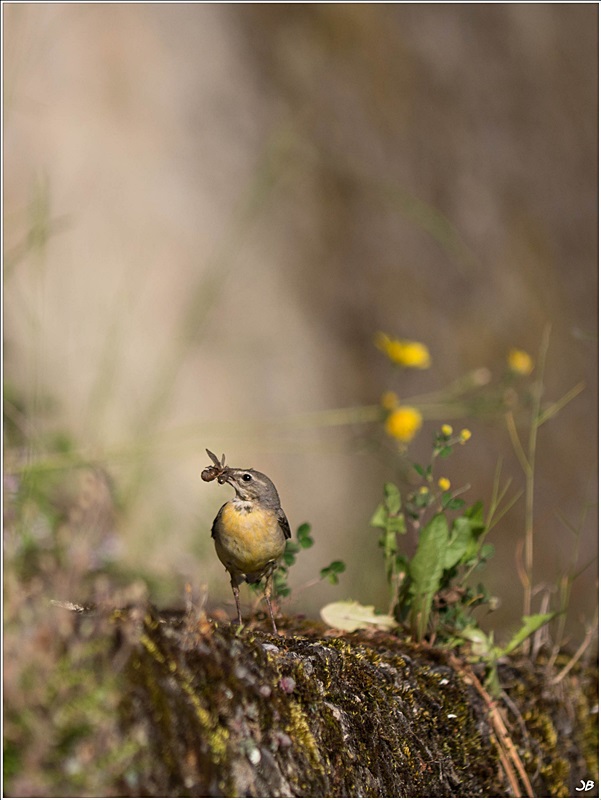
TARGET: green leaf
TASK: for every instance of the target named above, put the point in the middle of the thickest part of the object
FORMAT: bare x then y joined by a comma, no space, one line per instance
491,682
459,542
445,452
289,557
392,499
388,542
422,499
380,517
530,624
454,503
487,551
482,644
426,568
387,515
421,471
280,582
476,514
331,572
472,517
402,563
397,524
302,534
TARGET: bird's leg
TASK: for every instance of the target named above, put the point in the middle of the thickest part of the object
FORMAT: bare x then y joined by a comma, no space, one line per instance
268,588
235,583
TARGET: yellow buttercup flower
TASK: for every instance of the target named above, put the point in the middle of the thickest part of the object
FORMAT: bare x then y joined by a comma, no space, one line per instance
446,430
404,352
444,484
403,423
465,435
520,362
389,400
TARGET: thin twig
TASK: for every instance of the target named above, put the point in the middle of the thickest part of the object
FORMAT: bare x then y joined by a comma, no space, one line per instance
519,563
534,424
556,407
508,753
516,442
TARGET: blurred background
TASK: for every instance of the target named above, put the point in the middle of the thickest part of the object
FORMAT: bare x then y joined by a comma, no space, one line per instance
211,210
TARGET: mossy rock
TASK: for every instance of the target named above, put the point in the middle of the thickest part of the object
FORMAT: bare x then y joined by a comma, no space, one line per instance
305,714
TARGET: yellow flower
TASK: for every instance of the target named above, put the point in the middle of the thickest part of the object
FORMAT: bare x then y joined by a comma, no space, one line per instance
465,435
446,430
520,362
404,352
389,401
444,484
423,490
403,423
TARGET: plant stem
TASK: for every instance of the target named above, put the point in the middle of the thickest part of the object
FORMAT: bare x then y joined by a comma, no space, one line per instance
534,425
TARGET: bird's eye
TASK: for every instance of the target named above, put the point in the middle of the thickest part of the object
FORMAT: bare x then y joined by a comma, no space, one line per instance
247,477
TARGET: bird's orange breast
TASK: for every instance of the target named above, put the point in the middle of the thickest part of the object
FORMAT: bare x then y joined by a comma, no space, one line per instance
247,540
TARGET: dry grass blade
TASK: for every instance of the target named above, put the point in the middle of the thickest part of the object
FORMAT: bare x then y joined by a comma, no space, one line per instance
590,632
508,754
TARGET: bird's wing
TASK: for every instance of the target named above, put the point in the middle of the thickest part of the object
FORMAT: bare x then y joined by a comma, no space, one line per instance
216,520
284,524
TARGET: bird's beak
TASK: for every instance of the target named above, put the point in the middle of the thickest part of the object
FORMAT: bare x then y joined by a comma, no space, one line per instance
226,476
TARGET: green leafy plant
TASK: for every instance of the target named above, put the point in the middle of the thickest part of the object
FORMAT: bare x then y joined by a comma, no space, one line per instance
431,591
389,518
484,650
303,541
332,571
433,583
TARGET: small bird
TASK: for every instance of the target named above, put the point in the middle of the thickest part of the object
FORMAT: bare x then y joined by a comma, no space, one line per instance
250,530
